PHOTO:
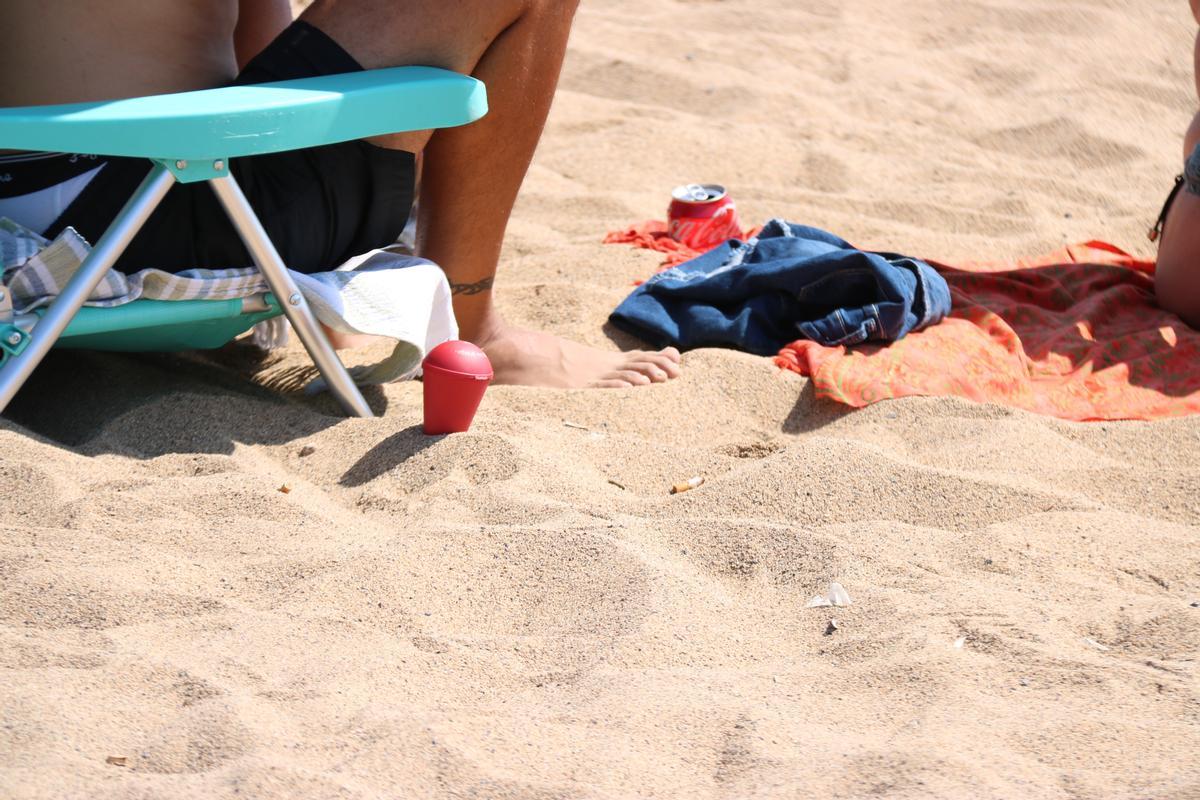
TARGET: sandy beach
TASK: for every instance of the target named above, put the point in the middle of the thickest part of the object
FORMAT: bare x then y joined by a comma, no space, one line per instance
523,611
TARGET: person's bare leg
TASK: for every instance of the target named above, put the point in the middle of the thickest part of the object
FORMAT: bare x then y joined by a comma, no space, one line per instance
471,174
1177,276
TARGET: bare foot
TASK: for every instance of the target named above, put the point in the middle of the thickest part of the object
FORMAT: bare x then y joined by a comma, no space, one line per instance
530,358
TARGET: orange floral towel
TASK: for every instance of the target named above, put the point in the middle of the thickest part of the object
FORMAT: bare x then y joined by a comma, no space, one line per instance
1074,335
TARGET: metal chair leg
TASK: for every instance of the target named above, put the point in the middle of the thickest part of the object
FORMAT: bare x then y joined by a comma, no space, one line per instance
106,252
294,305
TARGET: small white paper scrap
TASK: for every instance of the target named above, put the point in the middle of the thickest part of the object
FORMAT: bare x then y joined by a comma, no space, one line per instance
837,596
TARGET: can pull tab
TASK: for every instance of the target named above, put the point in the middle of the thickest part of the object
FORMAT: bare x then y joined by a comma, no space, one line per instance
696,192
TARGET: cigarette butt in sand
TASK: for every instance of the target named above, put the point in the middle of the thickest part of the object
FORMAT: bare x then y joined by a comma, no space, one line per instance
694,483
117,761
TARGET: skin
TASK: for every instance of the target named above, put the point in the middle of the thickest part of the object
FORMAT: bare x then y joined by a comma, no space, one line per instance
258,22
1177,279
473,173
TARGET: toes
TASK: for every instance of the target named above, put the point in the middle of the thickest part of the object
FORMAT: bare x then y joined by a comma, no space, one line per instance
663,362
659,367
631,376
649,368
655,373
641,369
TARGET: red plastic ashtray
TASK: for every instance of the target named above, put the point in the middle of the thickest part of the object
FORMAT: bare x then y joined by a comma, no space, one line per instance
457,374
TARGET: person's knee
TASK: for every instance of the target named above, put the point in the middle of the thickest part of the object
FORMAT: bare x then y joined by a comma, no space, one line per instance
559,9
565,9
570,5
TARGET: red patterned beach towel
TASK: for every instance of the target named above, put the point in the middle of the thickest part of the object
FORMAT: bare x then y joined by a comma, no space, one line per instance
1074,335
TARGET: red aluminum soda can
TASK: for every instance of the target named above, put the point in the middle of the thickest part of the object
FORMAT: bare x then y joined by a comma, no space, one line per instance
702,215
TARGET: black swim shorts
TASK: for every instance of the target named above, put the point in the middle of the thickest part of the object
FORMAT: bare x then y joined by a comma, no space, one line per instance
320,206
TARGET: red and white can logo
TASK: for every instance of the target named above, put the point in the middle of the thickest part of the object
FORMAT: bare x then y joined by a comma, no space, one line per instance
702,215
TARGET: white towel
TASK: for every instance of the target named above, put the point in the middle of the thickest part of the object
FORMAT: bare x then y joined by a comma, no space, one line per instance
384,292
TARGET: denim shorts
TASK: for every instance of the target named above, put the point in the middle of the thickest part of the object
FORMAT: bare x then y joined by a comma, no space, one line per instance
1191,171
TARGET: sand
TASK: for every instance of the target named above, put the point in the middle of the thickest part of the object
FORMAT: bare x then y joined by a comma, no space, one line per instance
523,611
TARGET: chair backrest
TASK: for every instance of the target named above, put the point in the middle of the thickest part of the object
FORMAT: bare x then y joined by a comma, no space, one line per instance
250,120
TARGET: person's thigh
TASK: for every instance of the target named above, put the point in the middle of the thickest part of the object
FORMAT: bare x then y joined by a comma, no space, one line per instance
1177,277
450,34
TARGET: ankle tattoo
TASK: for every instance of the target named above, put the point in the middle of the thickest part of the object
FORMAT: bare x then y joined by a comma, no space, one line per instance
479,287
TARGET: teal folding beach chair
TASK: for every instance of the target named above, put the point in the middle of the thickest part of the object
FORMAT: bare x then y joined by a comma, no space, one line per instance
191,137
